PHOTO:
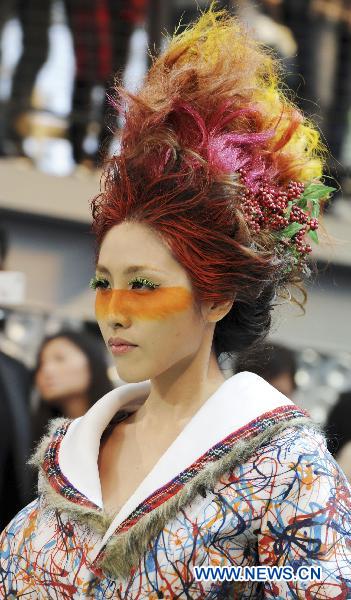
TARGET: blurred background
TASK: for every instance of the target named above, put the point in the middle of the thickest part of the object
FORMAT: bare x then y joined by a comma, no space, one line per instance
58,60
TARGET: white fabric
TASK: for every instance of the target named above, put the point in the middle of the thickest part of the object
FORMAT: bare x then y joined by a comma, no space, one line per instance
239,400
79,449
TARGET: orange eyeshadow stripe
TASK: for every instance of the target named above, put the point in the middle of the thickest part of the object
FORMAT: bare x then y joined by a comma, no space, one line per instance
150,304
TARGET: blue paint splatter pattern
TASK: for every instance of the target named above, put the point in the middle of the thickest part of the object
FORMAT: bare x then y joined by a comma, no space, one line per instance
289,504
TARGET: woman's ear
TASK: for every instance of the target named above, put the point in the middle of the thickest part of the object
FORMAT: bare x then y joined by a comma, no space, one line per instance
215,311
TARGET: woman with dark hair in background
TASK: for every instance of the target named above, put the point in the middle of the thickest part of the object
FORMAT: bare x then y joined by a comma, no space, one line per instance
70,376
274,363
201,223
338,432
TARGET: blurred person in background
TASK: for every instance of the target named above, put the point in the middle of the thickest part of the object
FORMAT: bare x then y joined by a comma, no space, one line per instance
322,75
333,18
274,363
34,19
124,16
70,376
267,29
338,432
14,427
101,31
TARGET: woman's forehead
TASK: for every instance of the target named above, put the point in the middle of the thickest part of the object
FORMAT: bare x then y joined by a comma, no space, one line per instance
60,343
131,269
130,248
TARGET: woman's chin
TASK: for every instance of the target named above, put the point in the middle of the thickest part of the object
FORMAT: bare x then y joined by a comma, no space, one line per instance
132,375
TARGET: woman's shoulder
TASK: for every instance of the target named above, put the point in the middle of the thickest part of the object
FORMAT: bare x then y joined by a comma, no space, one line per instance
296,440
20,531
294,454
294,446
16,542
294,468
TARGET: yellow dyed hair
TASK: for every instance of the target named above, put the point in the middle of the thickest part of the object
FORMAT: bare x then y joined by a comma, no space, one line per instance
216,61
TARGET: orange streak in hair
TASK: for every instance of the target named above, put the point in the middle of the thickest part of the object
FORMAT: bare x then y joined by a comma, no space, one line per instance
150,304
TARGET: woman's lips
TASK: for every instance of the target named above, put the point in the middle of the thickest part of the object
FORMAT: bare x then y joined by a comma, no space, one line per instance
49,383
121,348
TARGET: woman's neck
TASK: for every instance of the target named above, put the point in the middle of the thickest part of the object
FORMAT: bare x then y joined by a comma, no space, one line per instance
177,395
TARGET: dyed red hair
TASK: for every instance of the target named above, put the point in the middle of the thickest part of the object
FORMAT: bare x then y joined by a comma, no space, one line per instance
210,105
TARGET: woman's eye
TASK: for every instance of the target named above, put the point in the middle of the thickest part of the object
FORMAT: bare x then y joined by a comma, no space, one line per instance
140,283
99,282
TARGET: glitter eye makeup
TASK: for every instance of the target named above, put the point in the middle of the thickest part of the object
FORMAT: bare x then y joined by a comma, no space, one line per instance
98,283
137,283
140,283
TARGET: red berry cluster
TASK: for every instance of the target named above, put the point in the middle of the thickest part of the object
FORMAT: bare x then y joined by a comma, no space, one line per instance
297,215
295,189
271,208
313,224
299,242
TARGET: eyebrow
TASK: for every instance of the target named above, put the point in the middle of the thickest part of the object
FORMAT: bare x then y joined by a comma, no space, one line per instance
131,269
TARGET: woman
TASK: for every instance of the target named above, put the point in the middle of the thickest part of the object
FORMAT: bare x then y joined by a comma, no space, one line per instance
274,363
198,226
338,432
70,376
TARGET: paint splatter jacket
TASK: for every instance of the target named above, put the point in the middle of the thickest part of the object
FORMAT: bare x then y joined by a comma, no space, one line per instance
249,481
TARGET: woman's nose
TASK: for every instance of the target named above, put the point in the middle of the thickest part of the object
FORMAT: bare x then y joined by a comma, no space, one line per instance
118,320
118,314
114,307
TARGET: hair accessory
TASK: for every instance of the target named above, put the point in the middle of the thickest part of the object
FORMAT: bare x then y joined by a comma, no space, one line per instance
288,212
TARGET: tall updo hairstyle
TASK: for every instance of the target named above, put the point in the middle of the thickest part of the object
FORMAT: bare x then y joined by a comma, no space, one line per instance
217,160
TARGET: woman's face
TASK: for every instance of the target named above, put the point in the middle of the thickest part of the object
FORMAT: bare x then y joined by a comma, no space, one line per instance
63,371
145,297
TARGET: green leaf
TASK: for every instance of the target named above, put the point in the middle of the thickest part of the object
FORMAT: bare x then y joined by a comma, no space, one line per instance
315,211
288,210
290,230
317,191
314,236
302,202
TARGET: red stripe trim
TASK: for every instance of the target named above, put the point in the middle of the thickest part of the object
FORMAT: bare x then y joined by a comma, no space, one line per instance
63,487
53,472
171,488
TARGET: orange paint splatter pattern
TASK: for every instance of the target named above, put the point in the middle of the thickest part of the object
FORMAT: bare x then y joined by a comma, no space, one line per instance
48,553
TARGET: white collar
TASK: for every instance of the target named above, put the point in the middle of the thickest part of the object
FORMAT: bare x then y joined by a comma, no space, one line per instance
238,401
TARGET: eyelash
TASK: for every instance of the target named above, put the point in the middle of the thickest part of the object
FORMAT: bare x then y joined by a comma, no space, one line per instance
100,283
